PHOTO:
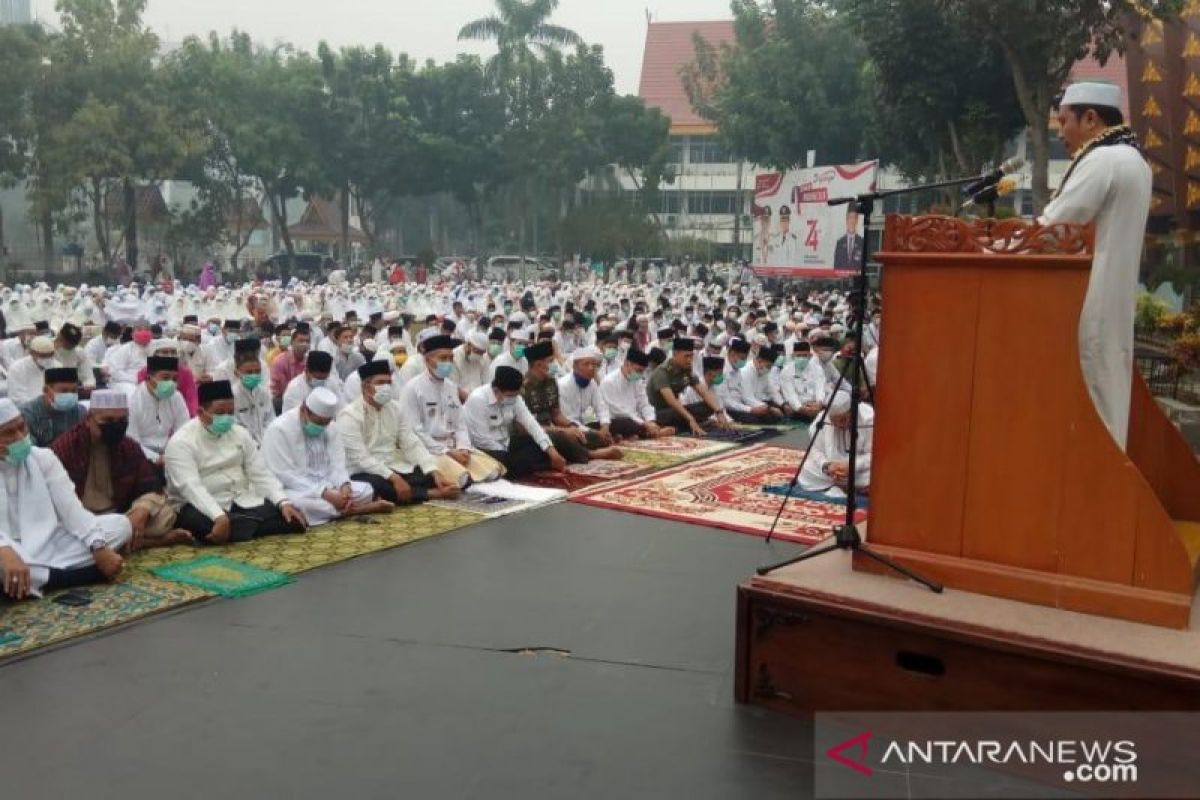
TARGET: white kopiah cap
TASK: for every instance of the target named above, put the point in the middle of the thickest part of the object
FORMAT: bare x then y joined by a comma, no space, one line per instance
1092,94
8,411
322,402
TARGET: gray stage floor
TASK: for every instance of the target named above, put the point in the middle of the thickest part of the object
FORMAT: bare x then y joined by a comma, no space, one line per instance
394,676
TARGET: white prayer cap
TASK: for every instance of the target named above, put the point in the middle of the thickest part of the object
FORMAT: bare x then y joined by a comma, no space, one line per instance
719,340
478,340
427,334
8,411
189,330
1092,94
42,346
322,402
397,344
840,403
106,399
587,352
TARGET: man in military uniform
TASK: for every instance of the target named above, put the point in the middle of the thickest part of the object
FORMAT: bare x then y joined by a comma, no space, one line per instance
668,384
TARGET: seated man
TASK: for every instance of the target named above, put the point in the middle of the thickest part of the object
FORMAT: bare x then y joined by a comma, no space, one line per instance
801,387
48,540
185,381
70,354
759,391
491,411
580,404
305,451
541,398
514,355
471,362
431,401
318,371
217,480
624,394
290,362
251,398
712,372
156,409
381,447
27,376
667,385
57,410
827,468
111,473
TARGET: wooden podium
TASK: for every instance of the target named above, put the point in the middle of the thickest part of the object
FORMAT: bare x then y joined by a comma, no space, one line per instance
992,470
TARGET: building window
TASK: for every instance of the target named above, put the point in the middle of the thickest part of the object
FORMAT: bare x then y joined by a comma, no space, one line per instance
713,203
707,150
679,146
668,203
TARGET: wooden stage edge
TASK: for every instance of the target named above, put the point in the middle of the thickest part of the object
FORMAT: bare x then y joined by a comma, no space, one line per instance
820,636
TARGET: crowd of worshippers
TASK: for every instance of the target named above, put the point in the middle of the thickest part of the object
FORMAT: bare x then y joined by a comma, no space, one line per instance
230,429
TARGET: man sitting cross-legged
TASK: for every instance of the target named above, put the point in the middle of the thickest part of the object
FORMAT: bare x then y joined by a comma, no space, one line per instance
491,411
217,478
57,410
579,398
827,467
112,475
624,393
48,540
541,395
305,451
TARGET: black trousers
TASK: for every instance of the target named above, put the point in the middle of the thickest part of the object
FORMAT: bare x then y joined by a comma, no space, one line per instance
70,578
418,481
522,458
626,427
668,418
573,450
244,523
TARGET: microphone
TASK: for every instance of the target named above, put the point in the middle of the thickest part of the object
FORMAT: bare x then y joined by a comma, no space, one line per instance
988,194
990,178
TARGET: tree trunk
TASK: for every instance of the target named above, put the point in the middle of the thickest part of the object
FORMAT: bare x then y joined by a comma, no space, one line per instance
47,225
131,231
345,209
1035,100
1039,138
279,216
99,221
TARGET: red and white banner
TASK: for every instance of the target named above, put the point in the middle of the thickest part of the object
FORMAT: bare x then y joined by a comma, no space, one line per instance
796,233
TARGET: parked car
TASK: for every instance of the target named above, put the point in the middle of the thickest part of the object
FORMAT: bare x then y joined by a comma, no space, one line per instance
508,268
305,266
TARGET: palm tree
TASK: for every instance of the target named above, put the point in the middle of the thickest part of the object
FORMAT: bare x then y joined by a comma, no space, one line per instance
519,28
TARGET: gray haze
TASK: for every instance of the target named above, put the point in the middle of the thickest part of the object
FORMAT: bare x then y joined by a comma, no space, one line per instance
421,29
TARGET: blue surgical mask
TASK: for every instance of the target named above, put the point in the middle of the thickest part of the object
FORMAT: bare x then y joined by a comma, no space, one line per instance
316,382
582,382
66,401
444,369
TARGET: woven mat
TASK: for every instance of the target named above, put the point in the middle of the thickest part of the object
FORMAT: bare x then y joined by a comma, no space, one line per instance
222,576
725,491
33,624
679,448
582,476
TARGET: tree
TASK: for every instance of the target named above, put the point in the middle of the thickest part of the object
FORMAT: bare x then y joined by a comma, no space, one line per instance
519,29
1041,41
791,83
20,55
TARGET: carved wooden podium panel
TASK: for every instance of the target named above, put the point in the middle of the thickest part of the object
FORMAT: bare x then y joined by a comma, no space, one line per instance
992,470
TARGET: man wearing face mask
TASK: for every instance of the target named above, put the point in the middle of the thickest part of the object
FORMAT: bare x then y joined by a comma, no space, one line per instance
432,401
192,355
824,349
26,378
290,362
252,402
624,393
540,393
48,540
218,480
125,361
318,372
802,388
581,405
112,475
491,412
471,363
70,354
157,410
514,355
57,410
383,449
219,350
305,452
98,346
758,391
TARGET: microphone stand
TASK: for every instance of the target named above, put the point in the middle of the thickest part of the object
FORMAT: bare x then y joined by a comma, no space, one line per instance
846,535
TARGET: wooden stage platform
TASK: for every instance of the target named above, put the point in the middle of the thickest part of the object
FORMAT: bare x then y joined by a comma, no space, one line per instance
818,636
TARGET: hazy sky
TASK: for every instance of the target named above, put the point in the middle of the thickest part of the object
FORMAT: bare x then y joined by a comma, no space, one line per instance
422,28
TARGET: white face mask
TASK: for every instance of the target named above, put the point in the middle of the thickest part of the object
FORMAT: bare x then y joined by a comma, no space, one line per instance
188,348
44,363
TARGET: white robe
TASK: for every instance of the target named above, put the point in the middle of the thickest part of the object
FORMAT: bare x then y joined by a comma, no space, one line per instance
124,362
831,445
297,391
1110,186
152,422
307,466
26,379
255,411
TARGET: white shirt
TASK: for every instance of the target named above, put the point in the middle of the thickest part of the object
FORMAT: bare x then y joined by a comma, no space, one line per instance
737,398
81,362
298,389
11,351
27,378
436,414
807,387
626,399
506,359
125,361
470,373
1110,186
832,444
305,465
584,405
96,348
212,473
490,424
758,388
152,422
382,441
255,410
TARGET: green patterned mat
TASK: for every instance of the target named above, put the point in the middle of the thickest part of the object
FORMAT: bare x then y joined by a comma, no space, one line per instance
30,625
222,576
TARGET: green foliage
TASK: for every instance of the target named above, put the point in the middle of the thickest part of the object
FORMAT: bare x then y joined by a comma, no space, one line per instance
609,229
1149,314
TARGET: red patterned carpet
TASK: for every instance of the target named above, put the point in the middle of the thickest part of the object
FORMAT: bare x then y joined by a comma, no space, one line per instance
725,491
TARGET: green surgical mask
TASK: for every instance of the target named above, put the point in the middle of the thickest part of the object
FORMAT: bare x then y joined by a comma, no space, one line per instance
519,352
801,362
717,381
634,377
164,389
494,349
19,451
221,424
312,430
251,382
610,353
285,341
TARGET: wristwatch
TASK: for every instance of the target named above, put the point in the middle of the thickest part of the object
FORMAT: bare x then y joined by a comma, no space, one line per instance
99,544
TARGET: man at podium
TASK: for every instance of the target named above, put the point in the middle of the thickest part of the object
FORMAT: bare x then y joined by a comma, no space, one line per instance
1108,183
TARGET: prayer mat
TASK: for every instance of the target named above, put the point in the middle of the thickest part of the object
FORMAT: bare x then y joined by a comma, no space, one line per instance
582,476
33,624
739,435
725,491
820,497
222,576
678,447
327,544
500,498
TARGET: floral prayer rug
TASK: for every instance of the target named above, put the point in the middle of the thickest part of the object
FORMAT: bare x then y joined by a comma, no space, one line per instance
678,447
33,624
725,491
582,476
222,576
